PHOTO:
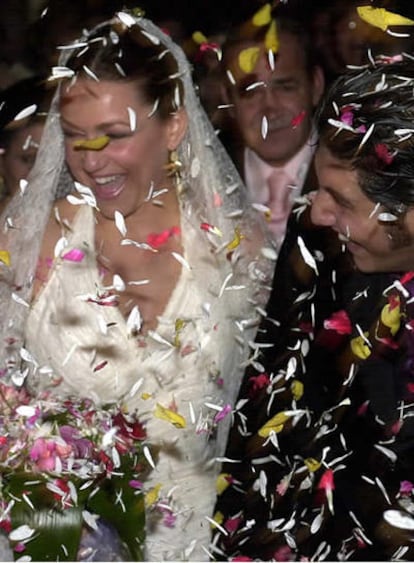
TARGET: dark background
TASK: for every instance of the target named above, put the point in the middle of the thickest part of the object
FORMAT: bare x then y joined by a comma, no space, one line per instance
210,15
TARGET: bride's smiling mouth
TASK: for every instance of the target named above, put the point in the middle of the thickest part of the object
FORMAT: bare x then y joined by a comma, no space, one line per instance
109,187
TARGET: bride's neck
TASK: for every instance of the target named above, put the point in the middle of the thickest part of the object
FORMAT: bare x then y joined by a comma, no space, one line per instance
155,214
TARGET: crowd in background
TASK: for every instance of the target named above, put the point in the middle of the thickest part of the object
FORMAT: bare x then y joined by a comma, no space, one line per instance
33,30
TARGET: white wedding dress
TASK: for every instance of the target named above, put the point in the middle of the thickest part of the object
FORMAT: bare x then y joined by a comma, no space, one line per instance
86,347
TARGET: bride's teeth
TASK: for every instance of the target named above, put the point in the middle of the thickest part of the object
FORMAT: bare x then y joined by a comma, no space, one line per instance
102,181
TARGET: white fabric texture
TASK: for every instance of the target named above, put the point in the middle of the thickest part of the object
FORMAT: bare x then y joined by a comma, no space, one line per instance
189,376
219,298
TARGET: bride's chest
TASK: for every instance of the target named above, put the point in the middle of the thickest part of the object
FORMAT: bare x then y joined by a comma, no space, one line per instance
143,277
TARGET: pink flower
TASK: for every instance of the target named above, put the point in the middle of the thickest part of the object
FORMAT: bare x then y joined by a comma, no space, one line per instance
347,117
217,200
258,382
100,366
363,408
297,120
63,450
407,277
327,485
5,524
136,484
74,255
283,486
283,553
75,444
169,516
327,481
43,452
158,239
206,47
19,547
106,299
63,496
396,427
232,524
339,322
387,59
31,421
389,343
382,152
169,519
406,488
223,413
133,430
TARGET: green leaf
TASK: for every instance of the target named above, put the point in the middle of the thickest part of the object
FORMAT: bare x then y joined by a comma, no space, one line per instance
54,529
123,507
53,526
113,499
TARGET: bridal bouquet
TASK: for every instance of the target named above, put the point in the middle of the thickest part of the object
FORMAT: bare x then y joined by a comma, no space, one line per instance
64,465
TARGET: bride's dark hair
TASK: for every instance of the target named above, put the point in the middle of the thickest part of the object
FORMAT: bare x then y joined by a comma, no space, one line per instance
118,52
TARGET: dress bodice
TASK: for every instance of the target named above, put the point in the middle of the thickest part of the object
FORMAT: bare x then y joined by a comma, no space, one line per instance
82,346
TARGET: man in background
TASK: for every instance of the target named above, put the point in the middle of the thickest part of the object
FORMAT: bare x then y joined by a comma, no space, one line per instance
271,86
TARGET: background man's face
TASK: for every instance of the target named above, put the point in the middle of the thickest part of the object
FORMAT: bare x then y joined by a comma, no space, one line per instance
280,97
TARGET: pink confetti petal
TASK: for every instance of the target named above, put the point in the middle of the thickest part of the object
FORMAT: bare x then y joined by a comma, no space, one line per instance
74,255
223,413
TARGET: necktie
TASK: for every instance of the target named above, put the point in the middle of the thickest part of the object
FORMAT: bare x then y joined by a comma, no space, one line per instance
279,202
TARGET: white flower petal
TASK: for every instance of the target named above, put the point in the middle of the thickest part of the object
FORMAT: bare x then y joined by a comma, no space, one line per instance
21,533
120,223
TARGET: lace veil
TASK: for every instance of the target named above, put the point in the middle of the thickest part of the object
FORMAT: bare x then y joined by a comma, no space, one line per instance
214,194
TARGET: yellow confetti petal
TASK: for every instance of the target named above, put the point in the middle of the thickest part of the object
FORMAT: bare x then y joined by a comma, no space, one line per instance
170,416
179,326
360,347
238,237
382,18
222,482
272,38
146,396
312,464
263,16
275,424
5,257
391,316
96,144
218,517
248,59
138,12
199,38
297,389
152,495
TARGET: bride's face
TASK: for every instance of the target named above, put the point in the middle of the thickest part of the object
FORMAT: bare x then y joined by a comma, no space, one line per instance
120,172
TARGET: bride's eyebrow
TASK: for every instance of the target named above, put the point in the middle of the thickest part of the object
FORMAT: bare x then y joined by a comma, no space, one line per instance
103,124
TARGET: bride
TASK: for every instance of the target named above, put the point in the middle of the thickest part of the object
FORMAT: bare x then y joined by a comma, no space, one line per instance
146,283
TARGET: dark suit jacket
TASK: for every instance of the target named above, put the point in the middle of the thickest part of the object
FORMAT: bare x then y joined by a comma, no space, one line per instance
321,450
